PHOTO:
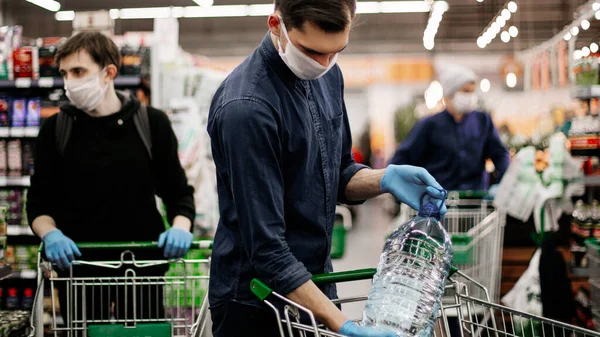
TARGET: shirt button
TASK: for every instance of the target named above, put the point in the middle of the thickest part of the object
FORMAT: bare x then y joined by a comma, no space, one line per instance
120,122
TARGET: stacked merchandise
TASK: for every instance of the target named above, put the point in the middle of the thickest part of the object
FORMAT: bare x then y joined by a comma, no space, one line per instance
593,254
14,323
585,224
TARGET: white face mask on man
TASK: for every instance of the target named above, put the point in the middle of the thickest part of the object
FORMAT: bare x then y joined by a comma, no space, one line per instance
464,102
86,93
303,66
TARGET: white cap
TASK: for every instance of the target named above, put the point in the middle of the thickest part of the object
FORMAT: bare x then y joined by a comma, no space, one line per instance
453,77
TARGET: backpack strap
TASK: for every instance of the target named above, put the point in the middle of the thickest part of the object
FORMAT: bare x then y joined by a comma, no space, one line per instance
64,126
142,124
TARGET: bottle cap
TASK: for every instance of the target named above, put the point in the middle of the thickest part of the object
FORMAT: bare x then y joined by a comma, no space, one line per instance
429,210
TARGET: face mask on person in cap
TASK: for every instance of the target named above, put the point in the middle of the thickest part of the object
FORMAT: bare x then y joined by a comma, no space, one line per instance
301,65
464,102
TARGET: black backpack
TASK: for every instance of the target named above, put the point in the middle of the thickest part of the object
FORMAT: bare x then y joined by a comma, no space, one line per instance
64,126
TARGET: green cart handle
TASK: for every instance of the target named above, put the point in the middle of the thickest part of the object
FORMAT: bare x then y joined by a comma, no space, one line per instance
262,291
200,244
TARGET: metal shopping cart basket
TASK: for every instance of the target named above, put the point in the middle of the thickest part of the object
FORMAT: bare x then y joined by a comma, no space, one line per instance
477,316
127,304
477,232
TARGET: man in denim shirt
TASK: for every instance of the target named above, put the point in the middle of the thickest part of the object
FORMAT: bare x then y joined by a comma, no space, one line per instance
282,146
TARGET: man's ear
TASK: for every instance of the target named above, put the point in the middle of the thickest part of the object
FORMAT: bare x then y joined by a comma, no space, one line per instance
274,23
112,71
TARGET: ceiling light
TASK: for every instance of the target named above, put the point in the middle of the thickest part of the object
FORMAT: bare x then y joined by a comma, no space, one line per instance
506,14
479,0
596,6
50,5
501,21
367,7
513,31
567,36
577,54
481,42
597,15
485,85
114,13
585,51
512,7
441,6
404,7
429,45
505,37
594,47
494,26
261,10
145,13
177,12
204,3
585,24
574,31
511,80
64,16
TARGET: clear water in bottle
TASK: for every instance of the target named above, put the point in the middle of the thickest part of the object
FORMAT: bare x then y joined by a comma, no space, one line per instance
407,289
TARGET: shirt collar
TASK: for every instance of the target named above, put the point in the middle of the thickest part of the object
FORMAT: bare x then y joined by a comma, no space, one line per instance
271,55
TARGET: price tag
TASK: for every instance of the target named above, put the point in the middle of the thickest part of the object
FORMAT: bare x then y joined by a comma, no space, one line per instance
13,230
17,132
23,83
4,132
31,131
46,82
26,181
28,274
26,231
3,181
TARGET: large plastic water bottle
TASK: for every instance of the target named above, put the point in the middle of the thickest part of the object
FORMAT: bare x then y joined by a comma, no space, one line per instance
410,280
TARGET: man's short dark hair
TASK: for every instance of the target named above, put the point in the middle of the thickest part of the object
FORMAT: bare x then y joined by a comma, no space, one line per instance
329,15
100,47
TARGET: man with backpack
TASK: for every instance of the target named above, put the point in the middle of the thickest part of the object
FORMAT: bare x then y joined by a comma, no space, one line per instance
99,164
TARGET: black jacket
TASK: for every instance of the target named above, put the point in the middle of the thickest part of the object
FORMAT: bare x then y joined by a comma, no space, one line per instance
104,188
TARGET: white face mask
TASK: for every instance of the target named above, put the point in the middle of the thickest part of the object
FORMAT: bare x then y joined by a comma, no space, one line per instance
86,93
303,66
464,102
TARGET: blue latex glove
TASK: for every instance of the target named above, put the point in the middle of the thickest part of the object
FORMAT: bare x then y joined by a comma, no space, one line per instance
350,329
59,249
176,242
492,192
409,183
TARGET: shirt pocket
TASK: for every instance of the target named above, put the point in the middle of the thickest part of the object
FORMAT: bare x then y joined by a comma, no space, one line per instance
334,136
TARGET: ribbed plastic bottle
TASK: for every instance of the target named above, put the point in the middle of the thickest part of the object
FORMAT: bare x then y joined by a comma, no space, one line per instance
411,276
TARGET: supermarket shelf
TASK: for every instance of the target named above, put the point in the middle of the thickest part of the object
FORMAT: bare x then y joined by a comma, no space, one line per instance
5,271
592,180
15,181
24,274
58,82
19,132
585,152
585,92
14,230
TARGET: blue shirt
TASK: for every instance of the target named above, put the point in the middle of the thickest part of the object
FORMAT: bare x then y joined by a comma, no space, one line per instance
282,149
453,152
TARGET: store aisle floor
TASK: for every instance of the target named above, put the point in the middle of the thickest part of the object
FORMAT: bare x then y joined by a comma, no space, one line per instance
363,249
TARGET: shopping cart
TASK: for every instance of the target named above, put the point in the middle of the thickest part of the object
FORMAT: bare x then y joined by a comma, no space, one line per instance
477,316
477,232
127,304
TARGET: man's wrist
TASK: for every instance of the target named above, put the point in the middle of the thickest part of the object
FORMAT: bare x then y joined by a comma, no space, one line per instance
182,222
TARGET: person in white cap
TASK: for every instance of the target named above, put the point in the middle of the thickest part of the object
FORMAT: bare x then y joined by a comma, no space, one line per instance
454,145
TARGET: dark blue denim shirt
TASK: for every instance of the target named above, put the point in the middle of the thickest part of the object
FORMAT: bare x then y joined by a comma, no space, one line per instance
282,148
454,152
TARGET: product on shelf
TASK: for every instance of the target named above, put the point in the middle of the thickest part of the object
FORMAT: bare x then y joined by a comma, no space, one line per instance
10,38
46,53
33,112
18,113
4,108
586,71
25,62
3,235
15,167
28,146
3,158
